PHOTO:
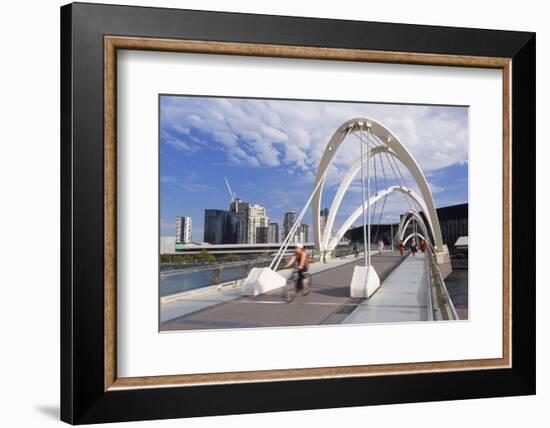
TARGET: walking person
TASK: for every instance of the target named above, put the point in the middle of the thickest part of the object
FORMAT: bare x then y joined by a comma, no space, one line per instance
355,249
380,247
401,248
413,247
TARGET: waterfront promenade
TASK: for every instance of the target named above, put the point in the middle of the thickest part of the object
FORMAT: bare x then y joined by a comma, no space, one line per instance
328,302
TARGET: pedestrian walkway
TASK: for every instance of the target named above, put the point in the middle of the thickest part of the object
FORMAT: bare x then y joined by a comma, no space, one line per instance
328,302
198,299
402,297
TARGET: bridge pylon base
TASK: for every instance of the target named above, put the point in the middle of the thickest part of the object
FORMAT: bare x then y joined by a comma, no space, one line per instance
364,283
262,280
444,262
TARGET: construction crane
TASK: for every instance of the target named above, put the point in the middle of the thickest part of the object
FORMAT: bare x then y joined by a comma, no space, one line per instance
231,194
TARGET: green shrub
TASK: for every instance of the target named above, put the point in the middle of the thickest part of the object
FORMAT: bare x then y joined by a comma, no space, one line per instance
231,257
205,256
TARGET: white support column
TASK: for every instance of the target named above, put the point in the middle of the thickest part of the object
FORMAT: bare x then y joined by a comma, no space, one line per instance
365,209
391,226
365,280
368,198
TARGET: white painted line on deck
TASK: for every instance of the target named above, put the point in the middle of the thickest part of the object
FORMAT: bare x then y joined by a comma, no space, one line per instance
267,302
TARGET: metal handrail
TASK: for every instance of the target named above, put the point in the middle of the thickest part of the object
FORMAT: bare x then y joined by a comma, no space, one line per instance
444,300
429,293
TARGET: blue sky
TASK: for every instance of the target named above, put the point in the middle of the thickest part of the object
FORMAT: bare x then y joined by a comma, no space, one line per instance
269,151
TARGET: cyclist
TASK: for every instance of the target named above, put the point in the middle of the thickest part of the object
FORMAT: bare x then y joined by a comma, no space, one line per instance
300,260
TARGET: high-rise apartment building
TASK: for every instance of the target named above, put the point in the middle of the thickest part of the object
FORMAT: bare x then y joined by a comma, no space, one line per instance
273,233
183,230
257,218
227,227
303,234
238,218
215,226
288,222
261,234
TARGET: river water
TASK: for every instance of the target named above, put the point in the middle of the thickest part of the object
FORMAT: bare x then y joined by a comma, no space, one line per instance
457,286
191,280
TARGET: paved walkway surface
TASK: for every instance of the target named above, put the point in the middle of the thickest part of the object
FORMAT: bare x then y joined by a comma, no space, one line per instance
201,298
328,302
402,296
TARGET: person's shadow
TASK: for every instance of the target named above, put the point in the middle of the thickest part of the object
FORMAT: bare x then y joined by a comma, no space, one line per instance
50,411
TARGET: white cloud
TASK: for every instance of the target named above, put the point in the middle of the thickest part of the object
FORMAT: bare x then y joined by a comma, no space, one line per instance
227,138
436,189
181,145
194,119
188,182
273,134
181,129
293,135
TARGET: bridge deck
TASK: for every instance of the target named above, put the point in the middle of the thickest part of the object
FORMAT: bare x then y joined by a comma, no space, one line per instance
401,298
328,303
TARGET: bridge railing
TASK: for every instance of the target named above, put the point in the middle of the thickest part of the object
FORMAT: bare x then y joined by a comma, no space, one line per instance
439,300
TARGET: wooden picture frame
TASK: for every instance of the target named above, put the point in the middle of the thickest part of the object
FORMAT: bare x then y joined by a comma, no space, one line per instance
91,390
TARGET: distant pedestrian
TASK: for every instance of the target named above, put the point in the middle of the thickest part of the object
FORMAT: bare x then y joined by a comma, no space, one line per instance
355,250
380,247
401,248
413,247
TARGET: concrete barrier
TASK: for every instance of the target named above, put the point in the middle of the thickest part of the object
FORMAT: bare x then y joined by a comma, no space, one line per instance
364,283
262,280
444,262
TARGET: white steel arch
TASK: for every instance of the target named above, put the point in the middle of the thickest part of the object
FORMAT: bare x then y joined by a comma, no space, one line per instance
394,146
342,189
406,219
408,238
355,215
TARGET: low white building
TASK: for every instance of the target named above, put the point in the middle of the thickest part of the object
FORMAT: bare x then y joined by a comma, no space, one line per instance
167,244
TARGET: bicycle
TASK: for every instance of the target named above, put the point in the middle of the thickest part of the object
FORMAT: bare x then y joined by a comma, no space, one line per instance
292,287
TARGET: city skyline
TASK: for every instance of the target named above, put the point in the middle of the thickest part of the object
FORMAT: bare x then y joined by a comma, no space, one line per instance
224,226
269,229
268,149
